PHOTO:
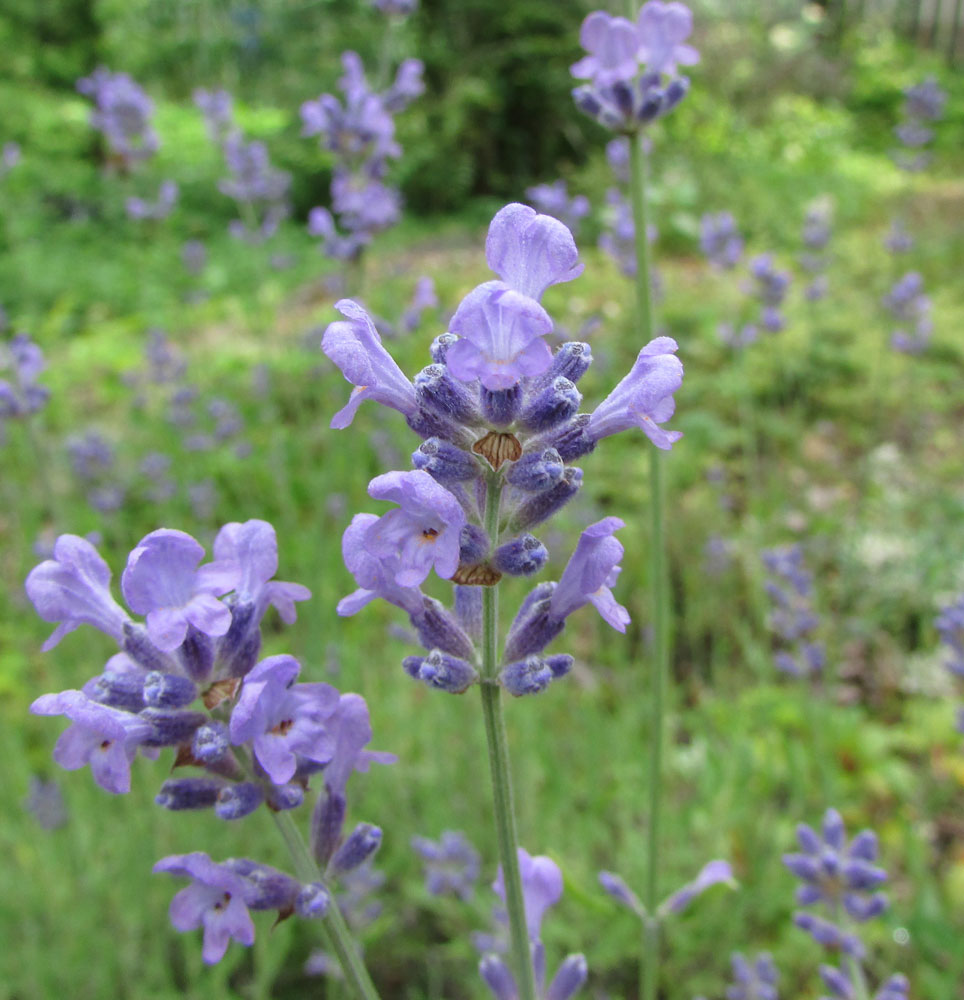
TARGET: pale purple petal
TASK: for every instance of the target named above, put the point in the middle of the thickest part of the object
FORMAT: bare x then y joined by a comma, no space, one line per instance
161,571
541,888
589,574
208,615
167,628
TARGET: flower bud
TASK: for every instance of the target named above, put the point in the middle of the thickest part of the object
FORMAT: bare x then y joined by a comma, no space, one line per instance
571,440
536,470
283,797
571,361
438,392
528,676
523,556
473,545
143,652
188,793
118,690
237,801
168,690
444,462
468,609
265,888
313,901
169,727
440,347
555,404
327,819
437,628
211,742
238,650
360,845
501,406
196,654
441,671
532,633
542,506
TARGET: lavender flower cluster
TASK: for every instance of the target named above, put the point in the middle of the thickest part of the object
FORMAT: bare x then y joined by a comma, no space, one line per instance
950,627
793,619
360,132
21,395
497,412
910,308
923,104
188,677
626,64
122,113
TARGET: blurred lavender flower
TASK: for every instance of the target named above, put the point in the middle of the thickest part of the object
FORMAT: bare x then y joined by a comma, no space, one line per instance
22,395
817,230
259,189
9,158
898,239
45,801
923,103
911,308
720,240
161,208
712,873
194,257
399,8
122,113
217,108
618,238
451,864
424,297
753,981
793,619
769,286
553,199
950,627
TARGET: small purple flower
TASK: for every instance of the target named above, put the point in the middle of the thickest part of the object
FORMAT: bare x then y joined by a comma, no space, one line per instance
122,113
73,588
541,888
105,738
530,252
422,533
161,208
663,28
756,981
283,720
374,575
553,200
712,873
356,348
613,47
451,865
214,900
590,572
501,335
351,732
644,398
163,581
720,240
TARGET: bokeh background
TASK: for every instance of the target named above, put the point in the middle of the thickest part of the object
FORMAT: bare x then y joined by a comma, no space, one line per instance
821,435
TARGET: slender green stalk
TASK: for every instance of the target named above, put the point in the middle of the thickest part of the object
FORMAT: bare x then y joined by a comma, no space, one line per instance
339,936
649,973
498,744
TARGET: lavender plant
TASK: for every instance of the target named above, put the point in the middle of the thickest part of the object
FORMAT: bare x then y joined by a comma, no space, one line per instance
122,114
451,864
911,309
21,395
553,199
188,677
793,620
950,627
498,414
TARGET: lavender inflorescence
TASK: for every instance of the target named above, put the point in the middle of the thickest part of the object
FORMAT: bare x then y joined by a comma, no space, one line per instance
21,395
451,864
793,620
923,105
910,307
950,626
123,114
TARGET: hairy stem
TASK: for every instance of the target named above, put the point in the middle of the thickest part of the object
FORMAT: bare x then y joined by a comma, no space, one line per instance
498,745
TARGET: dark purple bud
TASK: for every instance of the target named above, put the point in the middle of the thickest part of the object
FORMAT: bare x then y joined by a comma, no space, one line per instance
118,690
834,833
569,979
560,664
859,874
571,440
830,863
864,846
239,649
188,793
168,690
237,801
313,901
534,634
617,888
862,908
571,361
473,545
197,654
528,676
440,347
444,462
555,404
211,742
169,727
543,505
501,406
536,471
437,628
265,888
143,652
468,609
436,391
429,424
283,797
807,895
358,847
523,556
676,90
808,840
837,982
441,671
327,820
496,975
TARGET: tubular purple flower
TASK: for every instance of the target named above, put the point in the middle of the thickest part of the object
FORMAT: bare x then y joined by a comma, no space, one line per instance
501,337
283,720
590,572
530,252
541,888
422,533
613,47
214,900
712,873
162,580
644,398
73,589
351,731
663,27
356,348
253,548
105,738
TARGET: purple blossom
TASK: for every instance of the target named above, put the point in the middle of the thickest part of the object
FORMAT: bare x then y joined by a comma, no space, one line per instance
589,574
398,8
321,224
282,720
161,208
553,200
356,348
501,335
530,252
215,900
753,981
613,47
712,873
122,113
105,738
950,627
351,731
644,398
73,589
720,240
162,580
451,864
423,533
217,107
663,28
541,888
24,395
423,297
9,157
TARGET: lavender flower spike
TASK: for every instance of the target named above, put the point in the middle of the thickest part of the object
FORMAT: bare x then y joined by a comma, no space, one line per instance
644,398
712,873
73,589
162,581
356,348
423,532
530,252
214,900
613,48
105,738
501,335
590,572
663,27
374,575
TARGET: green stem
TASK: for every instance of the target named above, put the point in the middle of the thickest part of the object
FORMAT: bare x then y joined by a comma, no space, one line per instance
645,326
339,936
498,745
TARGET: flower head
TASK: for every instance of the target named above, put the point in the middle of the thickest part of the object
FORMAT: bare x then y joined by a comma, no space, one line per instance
663,28
613,47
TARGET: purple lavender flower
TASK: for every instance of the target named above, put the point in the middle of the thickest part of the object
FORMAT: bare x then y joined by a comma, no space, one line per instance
215,900
663,28
720,240
163,581
553,199
375,576
9,157
911,308
160,208
451,864
398,8
613,47
423,532
501,335
122,113
712,873
104,738
217,107
898,239
356,348
423,297
282,720
618,238
541,888
194,257
923,102
793,620
24,395
753,981
644,398
950,626
73,589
